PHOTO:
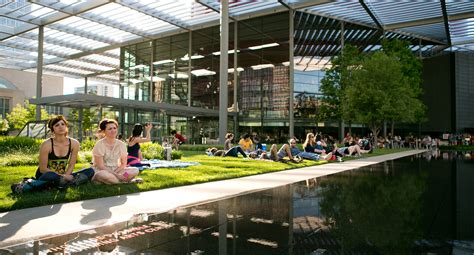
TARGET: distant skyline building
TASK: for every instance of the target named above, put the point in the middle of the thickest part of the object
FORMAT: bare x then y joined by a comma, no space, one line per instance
99,89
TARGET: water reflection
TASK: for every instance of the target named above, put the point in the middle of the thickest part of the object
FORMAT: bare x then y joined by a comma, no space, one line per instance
374,210
415,205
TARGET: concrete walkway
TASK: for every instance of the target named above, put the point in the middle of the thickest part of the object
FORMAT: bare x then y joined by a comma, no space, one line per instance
52,220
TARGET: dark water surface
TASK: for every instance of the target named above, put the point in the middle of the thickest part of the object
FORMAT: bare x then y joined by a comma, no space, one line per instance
423,204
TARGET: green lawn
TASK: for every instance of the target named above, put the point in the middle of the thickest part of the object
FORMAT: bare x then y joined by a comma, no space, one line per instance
210,169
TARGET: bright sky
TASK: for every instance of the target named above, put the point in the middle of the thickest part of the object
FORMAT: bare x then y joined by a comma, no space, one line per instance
70,84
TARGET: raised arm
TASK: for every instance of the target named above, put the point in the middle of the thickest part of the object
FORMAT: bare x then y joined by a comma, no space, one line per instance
147,137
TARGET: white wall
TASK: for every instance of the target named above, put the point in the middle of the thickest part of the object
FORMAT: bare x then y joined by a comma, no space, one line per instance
26,85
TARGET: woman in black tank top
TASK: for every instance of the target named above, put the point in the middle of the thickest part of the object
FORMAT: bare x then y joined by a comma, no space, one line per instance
135,157
58,156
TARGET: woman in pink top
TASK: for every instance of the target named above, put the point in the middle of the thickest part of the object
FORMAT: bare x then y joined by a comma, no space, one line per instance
110,157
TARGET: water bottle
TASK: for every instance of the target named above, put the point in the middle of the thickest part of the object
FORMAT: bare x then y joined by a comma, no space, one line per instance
264,147
168,152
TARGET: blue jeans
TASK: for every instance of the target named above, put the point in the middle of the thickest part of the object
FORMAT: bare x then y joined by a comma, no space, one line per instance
234,152
309,155
54,178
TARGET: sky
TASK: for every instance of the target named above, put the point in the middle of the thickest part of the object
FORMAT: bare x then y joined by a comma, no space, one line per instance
70,84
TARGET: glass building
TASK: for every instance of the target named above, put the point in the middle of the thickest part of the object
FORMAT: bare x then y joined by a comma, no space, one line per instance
164,58
183,69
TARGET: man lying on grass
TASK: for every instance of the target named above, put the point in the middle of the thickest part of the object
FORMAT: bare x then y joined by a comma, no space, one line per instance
57,158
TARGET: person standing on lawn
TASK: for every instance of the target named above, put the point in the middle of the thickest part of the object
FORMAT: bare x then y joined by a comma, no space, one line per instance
57,159
110,157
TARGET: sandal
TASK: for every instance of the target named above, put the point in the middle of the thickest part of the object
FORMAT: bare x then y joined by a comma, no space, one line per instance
136,180
17,188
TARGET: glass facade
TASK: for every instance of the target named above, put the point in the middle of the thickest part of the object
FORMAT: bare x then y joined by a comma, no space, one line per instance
183,69
306,93
165,69
4,107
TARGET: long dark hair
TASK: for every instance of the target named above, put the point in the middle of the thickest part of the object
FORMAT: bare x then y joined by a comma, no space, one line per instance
136,132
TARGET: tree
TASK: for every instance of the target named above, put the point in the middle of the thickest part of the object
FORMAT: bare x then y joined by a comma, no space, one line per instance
88,122
411,67
335,81
4,126
380,91
20,115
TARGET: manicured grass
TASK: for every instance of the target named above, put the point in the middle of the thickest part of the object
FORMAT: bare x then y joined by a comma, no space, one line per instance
456,147
210,169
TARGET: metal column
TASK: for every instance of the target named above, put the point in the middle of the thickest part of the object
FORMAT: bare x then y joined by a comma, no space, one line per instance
190,66
151,89
223,75
341,123
39,70
292,72
79,127
85,85
236,74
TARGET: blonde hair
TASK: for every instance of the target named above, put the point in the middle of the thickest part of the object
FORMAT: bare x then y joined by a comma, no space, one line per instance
308,140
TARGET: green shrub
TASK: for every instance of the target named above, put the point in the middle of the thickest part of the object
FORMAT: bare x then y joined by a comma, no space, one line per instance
19,159
176,154
14,143
151,151
87,145
84,157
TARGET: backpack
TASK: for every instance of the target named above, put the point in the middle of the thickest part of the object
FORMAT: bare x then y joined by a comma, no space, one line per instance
29,185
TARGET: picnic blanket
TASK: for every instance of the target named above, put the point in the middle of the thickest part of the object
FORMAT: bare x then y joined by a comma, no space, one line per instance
156,163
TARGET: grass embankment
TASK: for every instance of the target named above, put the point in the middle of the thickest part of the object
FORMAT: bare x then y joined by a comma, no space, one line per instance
210,169
456,147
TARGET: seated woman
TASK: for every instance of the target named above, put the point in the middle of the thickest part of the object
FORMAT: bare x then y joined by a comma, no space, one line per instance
246,143
110,157
229,150
313,145
57,159
135,157
348,140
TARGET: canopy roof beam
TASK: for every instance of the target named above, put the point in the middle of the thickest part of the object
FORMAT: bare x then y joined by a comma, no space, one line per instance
371,14
84,6
153,13
97,19
430,21
446,21
386,28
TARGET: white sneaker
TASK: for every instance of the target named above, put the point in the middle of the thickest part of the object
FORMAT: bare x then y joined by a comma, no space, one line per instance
327,156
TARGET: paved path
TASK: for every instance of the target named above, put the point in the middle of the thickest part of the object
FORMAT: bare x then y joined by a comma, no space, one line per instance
46,221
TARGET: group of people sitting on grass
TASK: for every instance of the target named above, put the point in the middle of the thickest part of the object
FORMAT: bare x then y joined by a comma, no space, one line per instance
113,161
315,147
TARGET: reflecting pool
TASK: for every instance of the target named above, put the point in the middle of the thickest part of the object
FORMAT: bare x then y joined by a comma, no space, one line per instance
423,204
